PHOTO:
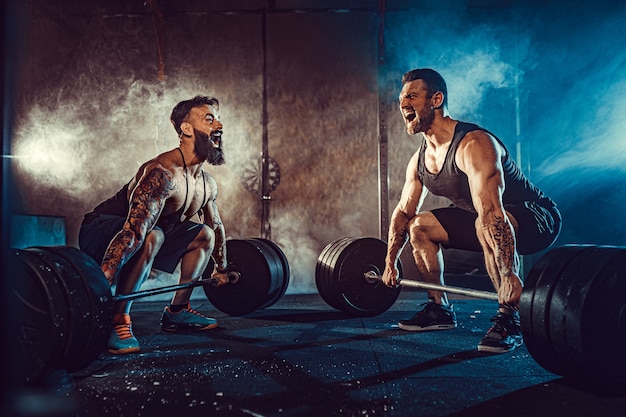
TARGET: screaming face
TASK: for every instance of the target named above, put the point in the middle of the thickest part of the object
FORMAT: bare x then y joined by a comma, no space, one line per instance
416,108
209,147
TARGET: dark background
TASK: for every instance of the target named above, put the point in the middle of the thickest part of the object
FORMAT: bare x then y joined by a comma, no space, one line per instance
89,88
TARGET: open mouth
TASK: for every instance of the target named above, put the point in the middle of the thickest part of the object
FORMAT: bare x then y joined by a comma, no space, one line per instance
216,139
410,117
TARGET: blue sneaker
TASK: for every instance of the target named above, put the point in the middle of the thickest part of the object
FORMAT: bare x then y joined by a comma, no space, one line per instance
185,320
122,340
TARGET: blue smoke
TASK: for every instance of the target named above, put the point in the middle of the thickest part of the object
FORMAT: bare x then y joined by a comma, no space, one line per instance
550,81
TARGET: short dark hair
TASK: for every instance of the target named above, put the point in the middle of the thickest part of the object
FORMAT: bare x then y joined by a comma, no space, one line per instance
433,80
182,109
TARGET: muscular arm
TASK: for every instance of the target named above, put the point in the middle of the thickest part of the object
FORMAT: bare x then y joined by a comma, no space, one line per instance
410,202
479,157
146,203
213,220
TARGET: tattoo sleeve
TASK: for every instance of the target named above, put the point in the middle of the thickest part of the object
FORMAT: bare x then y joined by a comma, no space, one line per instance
213,220
503,245
219,252
146,204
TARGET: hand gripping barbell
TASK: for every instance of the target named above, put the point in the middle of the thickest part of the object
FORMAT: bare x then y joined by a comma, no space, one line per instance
64,303
572,309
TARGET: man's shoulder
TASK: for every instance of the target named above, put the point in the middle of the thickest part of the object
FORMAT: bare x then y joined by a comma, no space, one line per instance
463,128
165,161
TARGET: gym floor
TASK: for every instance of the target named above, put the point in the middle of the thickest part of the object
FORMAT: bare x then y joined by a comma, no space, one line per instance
300,357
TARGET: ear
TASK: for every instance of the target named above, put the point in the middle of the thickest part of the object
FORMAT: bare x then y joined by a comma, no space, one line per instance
186,128
437,99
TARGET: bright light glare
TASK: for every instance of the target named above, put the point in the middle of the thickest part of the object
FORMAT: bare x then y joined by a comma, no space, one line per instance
52,155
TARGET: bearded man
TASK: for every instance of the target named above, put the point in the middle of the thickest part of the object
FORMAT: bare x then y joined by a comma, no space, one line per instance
165,215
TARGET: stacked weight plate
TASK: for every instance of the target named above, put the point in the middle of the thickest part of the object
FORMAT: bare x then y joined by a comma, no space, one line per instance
339,276
263,277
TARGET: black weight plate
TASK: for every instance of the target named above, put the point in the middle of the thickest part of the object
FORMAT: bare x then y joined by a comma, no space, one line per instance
286,275
257,279
331,277
602,327
572,282
322,268
40,317
351,259
91,282
566,304
324,272
76,301
361,297
275,264
535,307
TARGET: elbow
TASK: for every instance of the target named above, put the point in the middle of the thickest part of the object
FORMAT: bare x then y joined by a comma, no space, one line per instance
132,239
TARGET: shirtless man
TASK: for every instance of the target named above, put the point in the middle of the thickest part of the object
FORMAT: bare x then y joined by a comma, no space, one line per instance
165,215
495,210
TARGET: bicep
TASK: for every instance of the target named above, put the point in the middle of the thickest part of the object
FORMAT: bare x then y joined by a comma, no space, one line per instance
412,191
480,160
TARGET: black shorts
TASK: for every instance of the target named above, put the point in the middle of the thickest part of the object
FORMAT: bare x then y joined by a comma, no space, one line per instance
539,226
97,231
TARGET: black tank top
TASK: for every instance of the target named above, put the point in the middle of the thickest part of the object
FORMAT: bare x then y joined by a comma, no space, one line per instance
452,183
118,205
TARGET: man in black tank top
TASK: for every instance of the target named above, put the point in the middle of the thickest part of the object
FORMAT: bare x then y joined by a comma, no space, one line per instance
164,216
495,209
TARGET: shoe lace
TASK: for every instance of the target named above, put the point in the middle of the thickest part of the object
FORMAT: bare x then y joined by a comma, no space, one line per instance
502,324
429,306
123,331
497,327
192,311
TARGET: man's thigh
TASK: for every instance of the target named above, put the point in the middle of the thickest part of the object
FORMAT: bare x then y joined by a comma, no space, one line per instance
460,226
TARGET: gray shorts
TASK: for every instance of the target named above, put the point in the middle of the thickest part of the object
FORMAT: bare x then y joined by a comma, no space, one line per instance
539,226
97,230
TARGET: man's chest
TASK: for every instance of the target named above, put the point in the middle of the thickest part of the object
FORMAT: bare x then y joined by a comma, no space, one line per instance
435,157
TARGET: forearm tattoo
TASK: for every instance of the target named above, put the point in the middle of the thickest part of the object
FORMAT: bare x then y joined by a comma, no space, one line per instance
146,203
503,246
219,252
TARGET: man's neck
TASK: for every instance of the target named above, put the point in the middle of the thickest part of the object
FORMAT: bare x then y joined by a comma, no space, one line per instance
441,131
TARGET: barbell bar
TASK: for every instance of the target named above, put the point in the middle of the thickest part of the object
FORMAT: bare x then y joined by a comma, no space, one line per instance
572,306
371,276
233,278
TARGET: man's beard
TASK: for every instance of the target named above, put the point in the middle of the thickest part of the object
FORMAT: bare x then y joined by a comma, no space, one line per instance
426,116
205,149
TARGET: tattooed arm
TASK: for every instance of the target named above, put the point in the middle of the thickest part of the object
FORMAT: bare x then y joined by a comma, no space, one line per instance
146,203
479,156
213,220
411,200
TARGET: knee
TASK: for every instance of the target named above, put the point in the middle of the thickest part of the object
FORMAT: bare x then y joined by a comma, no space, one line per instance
153,242
205,239
418,230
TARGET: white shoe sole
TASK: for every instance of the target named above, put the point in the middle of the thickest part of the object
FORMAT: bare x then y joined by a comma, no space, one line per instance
495,349
410,328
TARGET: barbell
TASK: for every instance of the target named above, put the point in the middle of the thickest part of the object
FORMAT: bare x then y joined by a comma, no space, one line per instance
64,303
573,305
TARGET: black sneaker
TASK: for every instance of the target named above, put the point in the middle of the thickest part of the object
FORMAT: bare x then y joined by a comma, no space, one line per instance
504,336
431,317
